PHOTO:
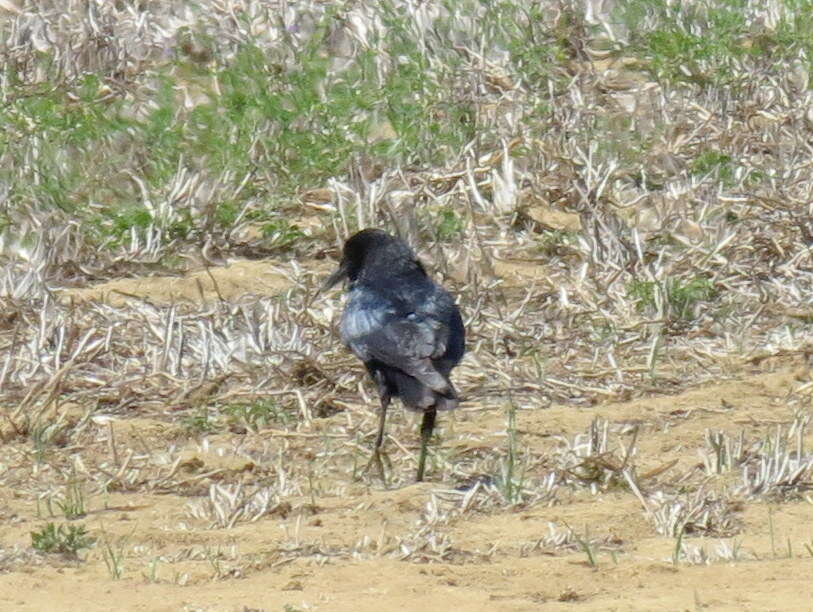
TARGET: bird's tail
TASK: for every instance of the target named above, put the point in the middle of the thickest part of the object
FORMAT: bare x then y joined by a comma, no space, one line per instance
417,396
443,402
448,400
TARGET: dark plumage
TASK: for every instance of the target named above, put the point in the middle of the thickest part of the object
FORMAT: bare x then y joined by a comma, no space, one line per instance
405,328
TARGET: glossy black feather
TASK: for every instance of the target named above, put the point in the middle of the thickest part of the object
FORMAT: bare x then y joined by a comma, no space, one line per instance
404,327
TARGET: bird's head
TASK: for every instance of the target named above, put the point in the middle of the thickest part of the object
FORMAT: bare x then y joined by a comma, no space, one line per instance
369,248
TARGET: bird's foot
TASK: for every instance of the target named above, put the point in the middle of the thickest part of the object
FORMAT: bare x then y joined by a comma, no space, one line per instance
377,461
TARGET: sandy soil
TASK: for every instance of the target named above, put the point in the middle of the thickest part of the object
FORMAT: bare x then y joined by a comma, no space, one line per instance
174,562
208,284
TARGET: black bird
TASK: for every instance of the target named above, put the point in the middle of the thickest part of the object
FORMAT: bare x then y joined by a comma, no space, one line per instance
404,327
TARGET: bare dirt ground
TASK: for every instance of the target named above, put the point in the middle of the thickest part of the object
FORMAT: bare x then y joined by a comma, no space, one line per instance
491,563
344,543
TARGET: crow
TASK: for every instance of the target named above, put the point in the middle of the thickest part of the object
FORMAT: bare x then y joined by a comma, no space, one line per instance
404,327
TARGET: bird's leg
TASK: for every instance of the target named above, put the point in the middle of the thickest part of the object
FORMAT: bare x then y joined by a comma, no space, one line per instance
427,426
379,439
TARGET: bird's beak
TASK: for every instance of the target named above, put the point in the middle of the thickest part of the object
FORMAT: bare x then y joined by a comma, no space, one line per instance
338,275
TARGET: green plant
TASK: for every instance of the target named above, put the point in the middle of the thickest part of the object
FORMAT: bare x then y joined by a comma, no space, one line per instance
72,504
113,554
508,481
64,539
698,44
714,161
678,545
281,233
199,421
260,123
534,48
151,575
554,242
587,547
643,292
602,330
683,297
214,557
257,415
673,298
45,435
449,225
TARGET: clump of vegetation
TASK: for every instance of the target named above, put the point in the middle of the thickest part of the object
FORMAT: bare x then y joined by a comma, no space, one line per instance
201,420
674,298
63,539
113,555
281,233
72,505
257,415
449,224
714,161
698,44
555,242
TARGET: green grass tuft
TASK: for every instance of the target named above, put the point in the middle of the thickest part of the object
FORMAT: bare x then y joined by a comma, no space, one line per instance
62,539
680,299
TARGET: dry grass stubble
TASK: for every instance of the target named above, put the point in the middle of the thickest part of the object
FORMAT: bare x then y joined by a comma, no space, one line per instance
634,267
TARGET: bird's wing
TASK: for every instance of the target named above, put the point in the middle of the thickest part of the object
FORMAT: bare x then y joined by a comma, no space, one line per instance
375,330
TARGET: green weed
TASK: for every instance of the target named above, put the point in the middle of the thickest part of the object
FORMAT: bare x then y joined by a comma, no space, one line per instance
714,161
509,481
113,554
72,505
533,47
675,298
257,415
690,44
449,225
678,550
555,242
587,547
200,421
64,539
281,233
45,435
